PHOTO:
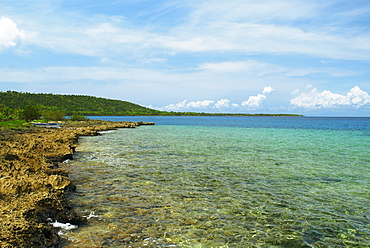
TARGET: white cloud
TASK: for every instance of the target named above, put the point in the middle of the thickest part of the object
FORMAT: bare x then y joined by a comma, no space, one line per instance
258,101
219,26
174,107
267,90
222,35
254,26
9,33
357,96
326,99
199,104
223,103
107,32
254,101
187,106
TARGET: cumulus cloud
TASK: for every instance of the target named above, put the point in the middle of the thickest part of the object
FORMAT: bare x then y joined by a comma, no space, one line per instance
9,33
259,100
174,107
254,101
315,99
223,103
267,90
205,105
358,97
186,106
199,104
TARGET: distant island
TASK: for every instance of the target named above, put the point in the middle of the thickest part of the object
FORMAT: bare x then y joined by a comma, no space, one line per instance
91,106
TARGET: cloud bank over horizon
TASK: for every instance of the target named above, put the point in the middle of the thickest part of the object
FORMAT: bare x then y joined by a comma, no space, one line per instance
311,100
314,99
233,56
223,105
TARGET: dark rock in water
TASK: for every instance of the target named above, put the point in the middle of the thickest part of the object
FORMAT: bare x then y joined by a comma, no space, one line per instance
67,156
145,123
330,179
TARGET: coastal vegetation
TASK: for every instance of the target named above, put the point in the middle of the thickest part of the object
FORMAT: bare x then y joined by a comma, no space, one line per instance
51,107
11,101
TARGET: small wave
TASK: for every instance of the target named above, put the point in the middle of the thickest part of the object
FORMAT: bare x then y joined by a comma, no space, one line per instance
108,131
92,215
64,226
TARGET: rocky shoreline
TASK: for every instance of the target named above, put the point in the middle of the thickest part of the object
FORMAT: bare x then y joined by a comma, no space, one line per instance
33,185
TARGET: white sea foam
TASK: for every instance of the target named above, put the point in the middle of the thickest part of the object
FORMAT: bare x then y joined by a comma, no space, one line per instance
92,215
108,131
65,226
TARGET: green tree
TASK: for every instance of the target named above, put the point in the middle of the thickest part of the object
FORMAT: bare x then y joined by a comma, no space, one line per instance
78,117
31,112
6,113
53,115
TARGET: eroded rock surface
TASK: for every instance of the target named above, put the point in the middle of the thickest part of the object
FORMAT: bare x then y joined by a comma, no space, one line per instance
33,186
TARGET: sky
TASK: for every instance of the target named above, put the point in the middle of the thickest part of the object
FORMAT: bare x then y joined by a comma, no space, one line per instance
309,57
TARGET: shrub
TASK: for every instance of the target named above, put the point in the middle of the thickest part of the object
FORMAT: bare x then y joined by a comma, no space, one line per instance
30,112
6,113
78,117
53,115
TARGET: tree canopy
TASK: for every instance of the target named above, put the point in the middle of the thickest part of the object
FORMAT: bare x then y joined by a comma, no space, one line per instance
71,104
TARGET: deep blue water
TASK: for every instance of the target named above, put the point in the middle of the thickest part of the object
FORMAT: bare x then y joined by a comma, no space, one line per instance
324,123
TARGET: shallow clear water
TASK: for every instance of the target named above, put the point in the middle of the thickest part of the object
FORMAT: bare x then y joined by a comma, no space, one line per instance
213,184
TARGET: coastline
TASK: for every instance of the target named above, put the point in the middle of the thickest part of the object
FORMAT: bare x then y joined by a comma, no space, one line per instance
33,184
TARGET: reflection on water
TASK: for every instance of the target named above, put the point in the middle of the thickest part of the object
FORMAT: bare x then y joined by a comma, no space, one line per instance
184,186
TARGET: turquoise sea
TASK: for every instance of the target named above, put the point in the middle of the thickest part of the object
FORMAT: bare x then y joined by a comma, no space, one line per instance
224,182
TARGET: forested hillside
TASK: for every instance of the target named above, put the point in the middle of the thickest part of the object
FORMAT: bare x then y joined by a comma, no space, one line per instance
69,104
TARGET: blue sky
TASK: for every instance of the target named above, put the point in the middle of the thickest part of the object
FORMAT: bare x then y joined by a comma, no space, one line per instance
243,56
